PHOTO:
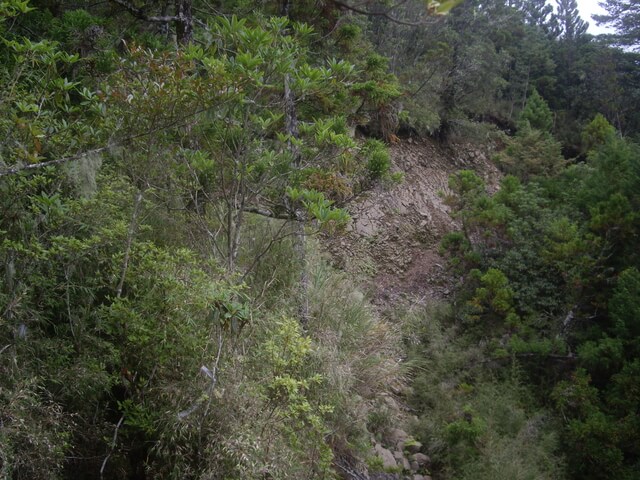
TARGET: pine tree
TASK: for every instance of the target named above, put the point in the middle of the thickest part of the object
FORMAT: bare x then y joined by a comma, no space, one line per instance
624,16
537,13
598,132
536,113
570,25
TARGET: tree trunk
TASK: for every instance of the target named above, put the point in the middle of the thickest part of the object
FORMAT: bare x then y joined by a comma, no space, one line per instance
184,24
300,240
133,226
285,9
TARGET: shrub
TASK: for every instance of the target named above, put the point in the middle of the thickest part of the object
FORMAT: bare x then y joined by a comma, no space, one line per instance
377,156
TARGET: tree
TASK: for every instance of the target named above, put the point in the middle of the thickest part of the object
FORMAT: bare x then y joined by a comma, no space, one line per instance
570,25
536,113
252,159
537,13
624,16
182,17
389,12
598,132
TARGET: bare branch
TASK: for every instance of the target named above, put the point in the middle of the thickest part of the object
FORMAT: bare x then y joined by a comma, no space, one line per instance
33,166
113,446
175,123
140,14
268,213
385,14
130,234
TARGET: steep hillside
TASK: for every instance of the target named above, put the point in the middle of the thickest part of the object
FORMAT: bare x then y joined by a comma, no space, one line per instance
394,238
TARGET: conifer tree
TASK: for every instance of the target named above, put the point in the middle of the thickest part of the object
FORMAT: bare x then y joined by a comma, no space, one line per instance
624,16
537,13
598,132
536,113
570,25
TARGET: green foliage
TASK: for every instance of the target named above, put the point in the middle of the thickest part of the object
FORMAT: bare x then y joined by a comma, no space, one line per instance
84,341
494,294
570,26
624,18
42,117
597,132
536,114
467,430
377,156
531,153
288,389
474,424
624,305
35,433
348,34
593,437
129,344
547,252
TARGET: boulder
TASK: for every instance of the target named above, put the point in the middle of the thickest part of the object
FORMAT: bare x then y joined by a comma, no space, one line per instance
413,446
397,435
383,476
388,461
421,459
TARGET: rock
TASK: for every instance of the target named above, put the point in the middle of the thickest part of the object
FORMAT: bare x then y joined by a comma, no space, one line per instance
414,466
393,405
383,476
413,447
421,459
397,435
401,460
356,297
418,477
388,461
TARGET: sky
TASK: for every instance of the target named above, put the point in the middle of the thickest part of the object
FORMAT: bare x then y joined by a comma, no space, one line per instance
588,8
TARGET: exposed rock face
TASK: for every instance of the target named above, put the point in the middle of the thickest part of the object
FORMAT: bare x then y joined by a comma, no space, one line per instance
396,231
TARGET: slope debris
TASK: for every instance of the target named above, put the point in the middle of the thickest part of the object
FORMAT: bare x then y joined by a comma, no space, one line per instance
393,240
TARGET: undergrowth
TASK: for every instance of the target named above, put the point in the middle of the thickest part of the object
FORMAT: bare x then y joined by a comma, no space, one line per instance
476,421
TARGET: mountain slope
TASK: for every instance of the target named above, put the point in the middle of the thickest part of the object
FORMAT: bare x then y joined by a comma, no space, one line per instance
394,238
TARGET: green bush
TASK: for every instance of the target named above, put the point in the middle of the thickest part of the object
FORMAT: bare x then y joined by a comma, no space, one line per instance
377,156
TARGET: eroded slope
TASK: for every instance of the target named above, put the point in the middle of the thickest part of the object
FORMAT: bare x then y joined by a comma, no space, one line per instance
394,238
